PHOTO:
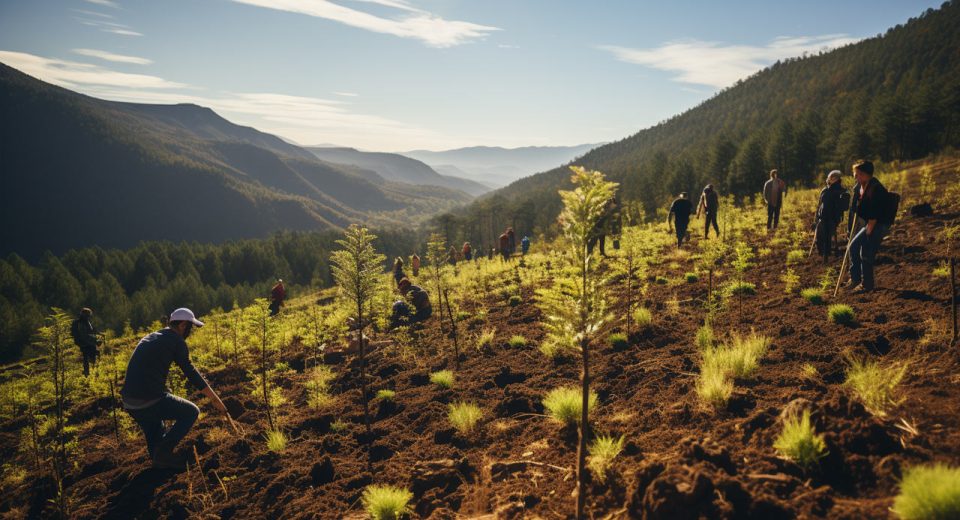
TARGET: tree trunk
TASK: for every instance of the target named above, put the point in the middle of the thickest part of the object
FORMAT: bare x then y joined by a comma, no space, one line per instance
582,437
953,297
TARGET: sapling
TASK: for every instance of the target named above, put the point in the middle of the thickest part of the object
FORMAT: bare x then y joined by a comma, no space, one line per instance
54,339
260,319
436,263
356,269
790,280
575,309
742,262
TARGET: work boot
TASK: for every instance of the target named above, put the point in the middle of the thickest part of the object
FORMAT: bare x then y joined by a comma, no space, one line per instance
165,458
852,285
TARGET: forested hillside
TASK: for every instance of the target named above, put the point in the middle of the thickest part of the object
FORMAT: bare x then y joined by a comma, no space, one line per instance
79,171
892,97
141,284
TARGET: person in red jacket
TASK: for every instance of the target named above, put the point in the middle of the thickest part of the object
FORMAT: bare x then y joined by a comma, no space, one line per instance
277,295
504,244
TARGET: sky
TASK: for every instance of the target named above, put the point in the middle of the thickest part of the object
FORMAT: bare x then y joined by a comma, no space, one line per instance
399,75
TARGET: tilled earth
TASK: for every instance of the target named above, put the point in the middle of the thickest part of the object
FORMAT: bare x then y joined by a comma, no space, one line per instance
681,459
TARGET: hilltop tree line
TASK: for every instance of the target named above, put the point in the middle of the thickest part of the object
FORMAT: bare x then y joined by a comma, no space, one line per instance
146,282
889,98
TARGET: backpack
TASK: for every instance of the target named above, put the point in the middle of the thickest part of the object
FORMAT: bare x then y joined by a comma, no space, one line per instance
891,205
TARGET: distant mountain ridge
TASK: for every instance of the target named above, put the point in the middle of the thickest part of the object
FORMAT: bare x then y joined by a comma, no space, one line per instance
499,166
396,167
79,171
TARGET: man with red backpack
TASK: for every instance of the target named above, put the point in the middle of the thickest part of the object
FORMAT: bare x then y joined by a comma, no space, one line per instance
877,209
277,295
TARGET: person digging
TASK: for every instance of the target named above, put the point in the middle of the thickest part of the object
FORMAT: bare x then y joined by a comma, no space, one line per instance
147,399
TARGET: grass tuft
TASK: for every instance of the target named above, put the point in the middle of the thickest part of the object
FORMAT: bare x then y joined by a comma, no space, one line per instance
810,372
740,357
485,339
386,394
642,317
875,384
443,378
705,337
618,340
713,386
795,256
517,341
338,426
464,416
276,440
840,313
386,502
691,277
929,492
565,404
813,295
799,441
515,300
661,280
741,287
602,451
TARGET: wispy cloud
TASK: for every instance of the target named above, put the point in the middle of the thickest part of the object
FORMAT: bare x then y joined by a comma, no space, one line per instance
720,65
110,27
105,3
92,13
303,119
415,23
347,94
122,32
109,56
73,74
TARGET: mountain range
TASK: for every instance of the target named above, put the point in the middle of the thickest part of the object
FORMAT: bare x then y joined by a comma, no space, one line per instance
79,171
496,166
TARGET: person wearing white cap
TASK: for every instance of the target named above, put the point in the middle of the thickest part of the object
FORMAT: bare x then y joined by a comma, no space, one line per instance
830,213
147,399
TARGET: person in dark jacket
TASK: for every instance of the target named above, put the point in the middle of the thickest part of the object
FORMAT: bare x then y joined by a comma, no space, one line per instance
415,295
603,227
525,245
85,336
504,245
512,236
773,192
147,399
680,210
277,294
869,206
710,205
829,214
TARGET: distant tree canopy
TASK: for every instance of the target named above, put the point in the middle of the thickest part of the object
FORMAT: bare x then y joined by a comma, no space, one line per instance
891,97
152,279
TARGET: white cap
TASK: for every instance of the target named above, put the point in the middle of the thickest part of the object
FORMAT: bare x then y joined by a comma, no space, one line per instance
185,314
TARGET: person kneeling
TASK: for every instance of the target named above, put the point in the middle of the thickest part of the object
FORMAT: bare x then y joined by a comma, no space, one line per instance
402,313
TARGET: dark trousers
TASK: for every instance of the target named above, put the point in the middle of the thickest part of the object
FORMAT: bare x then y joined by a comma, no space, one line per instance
773,216
90,355
863,253
710,218
170,408
403,315
275,307
681,225
826,231
593,242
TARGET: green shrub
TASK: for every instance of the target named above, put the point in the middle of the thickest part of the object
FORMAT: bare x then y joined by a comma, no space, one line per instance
661,280
739,358
386,502
618,340
642,317
790,280
517,341
386,394
443,378
464,416
942,270
564,404
485,339
338,426
810,372
741,287
929,492
713,386
602,451
795,256
462,315
705,338
551,349
813,295
691,277
515,300
875,384
840,313
799,441
276,440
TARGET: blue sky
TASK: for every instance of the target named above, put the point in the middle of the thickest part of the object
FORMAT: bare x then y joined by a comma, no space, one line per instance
394,75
